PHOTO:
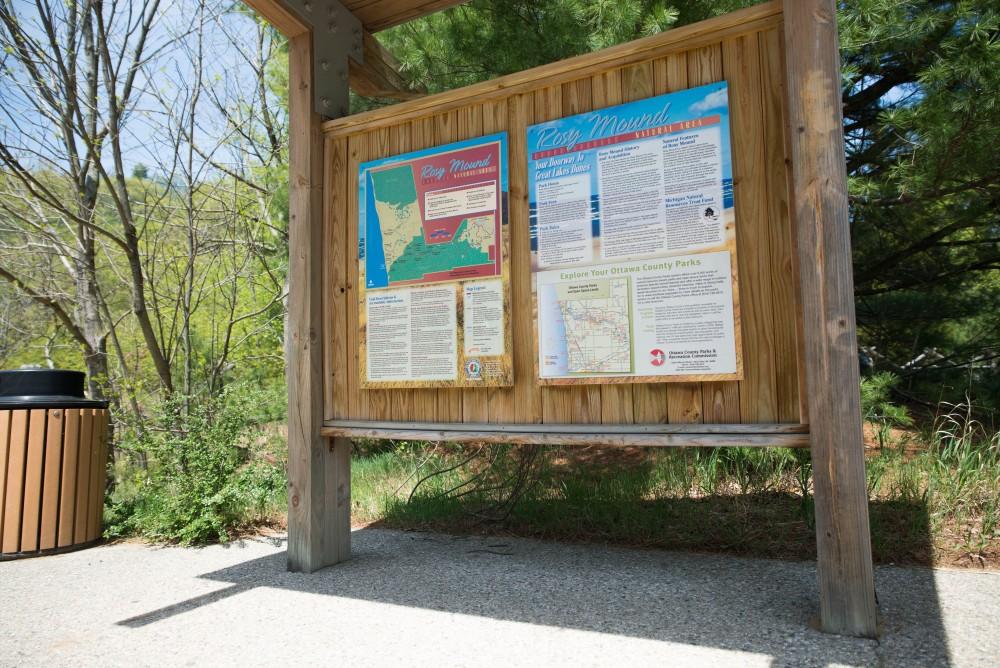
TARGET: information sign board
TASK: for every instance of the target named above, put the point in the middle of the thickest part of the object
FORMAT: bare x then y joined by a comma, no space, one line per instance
633,245
433,252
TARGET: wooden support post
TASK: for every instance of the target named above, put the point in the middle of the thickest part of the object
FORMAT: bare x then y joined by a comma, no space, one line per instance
319,527
846,585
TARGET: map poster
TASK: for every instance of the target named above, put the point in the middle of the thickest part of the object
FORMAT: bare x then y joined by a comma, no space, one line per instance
633,242
434,263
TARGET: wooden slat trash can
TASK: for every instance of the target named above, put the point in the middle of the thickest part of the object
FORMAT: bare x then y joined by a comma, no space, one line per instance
53,454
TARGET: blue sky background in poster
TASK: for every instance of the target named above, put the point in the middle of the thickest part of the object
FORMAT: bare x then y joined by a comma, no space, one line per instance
568,134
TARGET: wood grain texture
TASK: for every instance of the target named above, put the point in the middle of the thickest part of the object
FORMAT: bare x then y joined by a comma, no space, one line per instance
844,560
70,465
278,15
720,400
330,311
576,428
785,311
374,15
5,417
357,399
400,406
527,396
337,263
596,437
85,459
683,400
741,68
380,74
336,536
312,529
31,513
98,472
685,38
14,491
51,482
474,401
379,402
381,14
500,400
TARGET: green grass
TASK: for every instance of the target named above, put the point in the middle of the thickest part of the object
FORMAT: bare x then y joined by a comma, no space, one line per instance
934,497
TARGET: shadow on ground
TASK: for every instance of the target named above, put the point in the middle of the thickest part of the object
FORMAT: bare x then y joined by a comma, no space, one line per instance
752,605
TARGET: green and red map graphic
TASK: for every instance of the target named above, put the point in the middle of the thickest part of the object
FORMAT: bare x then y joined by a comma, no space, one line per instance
434,215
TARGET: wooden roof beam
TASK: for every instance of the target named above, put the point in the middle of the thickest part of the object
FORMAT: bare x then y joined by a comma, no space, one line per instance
379,75
379,15
278,15
343,51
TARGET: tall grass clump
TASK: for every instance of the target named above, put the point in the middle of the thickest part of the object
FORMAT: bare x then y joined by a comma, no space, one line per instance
207,468
934,490
963,478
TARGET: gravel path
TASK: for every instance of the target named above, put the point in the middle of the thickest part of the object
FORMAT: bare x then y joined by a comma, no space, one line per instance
434,600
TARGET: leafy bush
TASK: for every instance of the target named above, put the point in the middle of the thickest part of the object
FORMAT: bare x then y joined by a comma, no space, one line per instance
207,471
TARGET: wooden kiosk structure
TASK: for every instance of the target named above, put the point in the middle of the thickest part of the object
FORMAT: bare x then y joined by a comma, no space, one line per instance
800,370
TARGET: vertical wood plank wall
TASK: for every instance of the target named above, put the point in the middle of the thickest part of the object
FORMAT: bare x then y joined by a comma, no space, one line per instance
745,49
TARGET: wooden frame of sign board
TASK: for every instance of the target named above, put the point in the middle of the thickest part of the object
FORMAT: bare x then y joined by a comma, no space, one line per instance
796,289
743,49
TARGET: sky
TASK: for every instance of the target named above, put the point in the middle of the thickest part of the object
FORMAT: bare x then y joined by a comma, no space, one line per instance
163,83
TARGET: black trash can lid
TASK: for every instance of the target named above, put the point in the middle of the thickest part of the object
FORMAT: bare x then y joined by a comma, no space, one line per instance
44,388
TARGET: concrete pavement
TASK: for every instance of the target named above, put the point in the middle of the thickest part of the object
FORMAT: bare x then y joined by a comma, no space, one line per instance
417,599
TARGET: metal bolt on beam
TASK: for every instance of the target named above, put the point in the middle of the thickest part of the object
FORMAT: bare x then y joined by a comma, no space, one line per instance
331,94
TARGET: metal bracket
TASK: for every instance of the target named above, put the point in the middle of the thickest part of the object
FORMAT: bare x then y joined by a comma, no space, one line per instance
337,36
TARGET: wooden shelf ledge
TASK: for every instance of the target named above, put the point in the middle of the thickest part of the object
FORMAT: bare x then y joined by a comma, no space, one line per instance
638,435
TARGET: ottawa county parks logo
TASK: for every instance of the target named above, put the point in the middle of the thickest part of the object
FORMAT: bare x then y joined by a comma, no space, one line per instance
657,357
473,369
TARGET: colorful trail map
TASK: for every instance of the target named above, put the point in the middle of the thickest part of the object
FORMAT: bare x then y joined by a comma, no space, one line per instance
598,324
433,216
434,268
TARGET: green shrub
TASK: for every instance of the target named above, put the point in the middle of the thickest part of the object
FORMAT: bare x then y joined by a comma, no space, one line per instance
207,471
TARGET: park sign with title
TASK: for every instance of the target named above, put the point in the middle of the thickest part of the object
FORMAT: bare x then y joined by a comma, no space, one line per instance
633,242
790,376
633,252
432,232
647,261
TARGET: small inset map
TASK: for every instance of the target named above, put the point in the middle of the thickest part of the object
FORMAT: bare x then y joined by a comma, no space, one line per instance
597,319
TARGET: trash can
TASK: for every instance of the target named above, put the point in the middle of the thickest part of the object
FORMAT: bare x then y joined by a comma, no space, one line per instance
53,454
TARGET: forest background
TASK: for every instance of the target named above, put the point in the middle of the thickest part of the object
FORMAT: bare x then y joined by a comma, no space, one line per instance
143,239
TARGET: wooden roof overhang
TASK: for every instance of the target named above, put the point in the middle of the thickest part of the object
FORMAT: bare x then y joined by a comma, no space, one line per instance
381,14
374,15
344,48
